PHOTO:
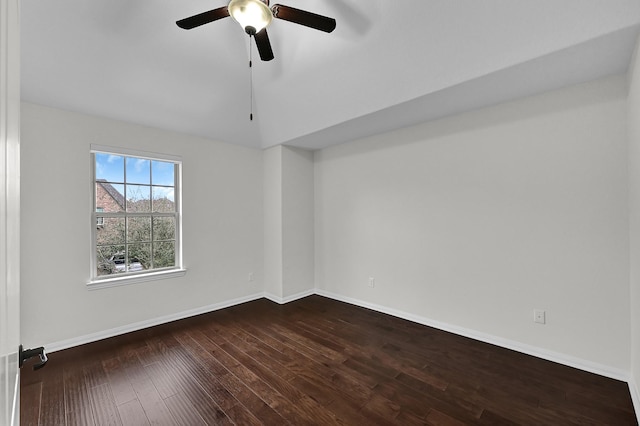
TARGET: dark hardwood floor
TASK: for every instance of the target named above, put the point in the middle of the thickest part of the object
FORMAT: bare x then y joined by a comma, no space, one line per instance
314,361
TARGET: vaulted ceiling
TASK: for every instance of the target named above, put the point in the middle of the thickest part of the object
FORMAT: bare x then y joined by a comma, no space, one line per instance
388,64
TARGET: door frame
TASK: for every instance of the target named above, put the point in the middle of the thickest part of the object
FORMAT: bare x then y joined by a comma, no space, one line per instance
9,211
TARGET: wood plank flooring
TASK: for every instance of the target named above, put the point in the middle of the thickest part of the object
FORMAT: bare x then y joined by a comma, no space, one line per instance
315,361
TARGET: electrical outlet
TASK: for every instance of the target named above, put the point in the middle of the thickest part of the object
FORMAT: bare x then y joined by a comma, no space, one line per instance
372,282
539,316
250,277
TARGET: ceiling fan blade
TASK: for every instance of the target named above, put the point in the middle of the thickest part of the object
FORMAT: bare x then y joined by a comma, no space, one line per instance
302,17
203,18
264,45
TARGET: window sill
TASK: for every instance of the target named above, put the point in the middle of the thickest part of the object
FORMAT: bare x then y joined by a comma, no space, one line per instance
134,279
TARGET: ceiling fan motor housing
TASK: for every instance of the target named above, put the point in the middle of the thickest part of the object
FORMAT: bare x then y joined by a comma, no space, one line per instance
252,15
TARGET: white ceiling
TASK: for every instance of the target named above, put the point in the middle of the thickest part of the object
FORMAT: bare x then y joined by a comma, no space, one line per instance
388,64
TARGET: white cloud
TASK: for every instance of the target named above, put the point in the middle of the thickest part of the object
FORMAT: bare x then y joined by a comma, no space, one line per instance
161,192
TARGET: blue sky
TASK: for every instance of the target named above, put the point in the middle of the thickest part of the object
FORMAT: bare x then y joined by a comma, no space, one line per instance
139,171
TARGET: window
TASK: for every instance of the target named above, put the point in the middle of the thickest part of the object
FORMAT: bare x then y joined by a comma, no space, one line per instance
136,206
99,219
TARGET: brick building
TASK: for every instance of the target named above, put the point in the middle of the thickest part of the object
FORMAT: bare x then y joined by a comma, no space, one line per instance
108,199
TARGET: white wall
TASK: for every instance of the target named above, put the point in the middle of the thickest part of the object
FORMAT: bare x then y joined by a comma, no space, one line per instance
633,120
288,223
474,221
222,226
272,181
298,221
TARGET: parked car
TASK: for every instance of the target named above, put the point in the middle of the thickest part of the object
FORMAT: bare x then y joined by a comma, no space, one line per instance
118,264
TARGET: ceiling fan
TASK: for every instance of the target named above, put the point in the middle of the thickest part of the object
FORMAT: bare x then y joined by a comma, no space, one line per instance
255,15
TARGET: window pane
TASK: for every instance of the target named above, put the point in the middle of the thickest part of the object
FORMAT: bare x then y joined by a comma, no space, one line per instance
139,229
139,257
109,167
110,197
138,170
111,231
164,254
138,198
164,228
163,199
110,260
162,173
99,219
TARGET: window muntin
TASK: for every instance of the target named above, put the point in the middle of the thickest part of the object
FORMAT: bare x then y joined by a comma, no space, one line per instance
137,206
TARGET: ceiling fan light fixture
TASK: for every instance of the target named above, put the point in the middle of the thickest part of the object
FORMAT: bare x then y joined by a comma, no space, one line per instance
252,15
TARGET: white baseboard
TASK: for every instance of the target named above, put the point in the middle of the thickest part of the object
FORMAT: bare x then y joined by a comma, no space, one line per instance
560,358
93,337
635,396
285,300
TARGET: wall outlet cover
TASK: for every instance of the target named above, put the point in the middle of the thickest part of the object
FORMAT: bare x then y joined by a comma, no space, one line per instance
539,316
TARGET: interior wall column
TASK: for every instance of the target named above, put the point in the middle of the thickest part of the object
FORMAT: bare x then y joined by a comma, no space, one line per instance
289,222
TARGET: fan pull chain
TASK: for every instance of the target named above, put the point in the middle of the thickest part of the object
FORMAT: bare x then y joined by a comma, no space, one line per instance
251,79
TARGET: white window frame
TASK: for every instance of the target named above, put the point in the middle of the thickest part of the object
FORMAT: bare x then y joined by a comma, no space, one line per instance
103,281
